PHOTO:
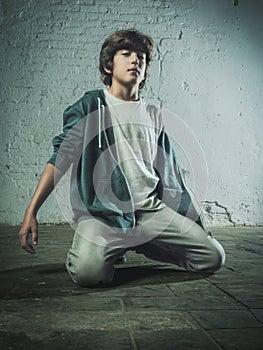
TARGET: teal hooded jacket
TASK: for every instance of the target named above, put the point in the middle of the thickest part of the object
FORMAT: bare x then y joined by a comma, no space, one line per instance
98,186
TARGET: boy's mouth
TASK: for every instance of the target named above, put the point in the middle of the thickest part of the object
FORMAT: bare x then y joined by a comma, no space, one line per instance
134,70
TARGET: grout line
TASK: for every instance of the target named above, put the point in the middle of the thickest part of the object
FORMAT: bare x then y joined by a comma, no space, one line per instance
122,304
213,340
228,294
131,335
133,341
236,300
170,289
256,243
257,319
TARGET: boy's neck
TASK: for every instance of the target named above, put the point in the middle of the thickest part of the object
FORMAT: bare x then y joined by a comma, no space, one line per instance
124,93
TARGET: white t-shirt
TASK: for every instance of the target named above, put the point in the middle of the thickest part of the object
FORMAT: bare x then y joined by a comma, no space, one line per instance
136,127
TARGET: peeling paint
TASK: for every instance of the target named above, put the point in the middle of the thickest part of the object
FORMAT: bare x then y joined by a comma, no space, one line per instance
160,56
209,210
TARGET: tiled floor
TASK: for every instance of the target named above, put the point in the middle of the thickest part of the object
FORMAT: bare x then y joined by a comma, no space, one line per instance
150,306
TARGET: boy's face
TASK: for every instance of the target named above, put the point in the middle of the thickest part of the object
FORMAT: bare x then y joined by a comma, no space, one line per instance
128,67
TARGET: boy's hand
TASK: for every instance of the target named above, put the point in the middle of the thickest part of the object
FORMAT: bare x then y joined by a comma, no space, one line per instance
30,225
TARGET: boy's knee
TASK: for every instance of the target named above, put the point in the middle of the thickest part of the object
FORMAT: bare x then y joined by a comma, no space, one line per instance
219,255
215,260
89,273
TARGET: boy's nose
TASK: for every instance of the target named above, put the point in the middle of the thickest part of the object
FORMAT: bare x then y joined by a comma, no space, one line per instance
134,57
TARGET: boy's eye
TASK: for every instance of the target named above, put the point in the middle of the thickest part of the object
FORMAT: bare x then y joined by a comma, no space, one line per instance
141,56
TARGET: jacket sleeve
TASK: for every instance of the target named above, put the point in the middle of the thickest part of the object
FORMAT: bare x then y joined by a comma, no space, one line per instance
68,144
172,189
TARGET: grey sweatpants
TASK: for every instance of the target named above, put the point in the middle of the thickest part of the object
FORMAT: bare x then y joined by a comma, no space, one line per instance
162,235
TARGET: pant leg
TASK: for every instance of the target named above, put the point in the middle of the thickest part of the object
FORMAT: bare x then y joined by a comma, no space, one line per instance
180,241
90,261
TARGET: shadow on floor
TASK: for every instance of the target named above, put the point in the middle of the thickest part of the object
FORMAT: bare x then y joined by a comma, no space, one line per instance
152,274
51,280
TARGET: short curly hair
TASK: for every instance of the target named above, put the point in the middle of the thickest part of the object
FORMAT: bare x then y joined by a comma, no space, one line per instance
129,39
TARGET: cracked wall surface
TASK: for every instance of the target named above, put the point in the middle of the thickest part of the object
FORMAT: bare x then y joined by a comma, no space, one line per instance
207,68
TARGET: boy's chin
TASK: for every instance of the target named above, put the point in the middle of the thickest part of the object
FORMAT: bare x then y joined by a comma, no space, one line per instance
135,81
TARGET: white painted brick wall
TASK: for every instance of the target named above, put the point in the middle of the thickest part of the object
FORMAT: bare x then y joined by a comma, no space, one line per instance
207,68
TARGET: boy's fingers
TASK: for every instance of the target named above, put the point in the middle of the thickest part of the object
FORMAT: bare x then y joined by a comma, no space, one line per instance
35,237
28,248
24,244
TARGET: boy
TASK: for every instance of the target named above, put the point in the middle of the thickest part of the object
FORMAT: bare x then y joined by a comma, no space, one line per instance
127,191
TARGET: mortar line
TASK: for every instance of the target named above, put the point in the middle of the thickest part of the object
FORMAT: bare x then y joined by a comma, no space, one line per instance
235,299
133,341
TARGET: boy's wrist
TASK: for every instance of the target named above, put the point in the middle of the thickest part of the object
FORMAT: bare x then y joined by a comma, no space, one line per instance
31,210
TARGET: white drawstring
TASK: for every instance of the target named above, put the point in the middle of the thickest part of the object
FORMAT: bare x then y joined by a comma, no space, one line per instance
103,116
99,110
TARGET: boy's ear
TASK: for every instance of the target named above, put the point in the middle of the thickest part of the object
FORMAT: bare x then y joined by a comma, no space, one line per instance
107,70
